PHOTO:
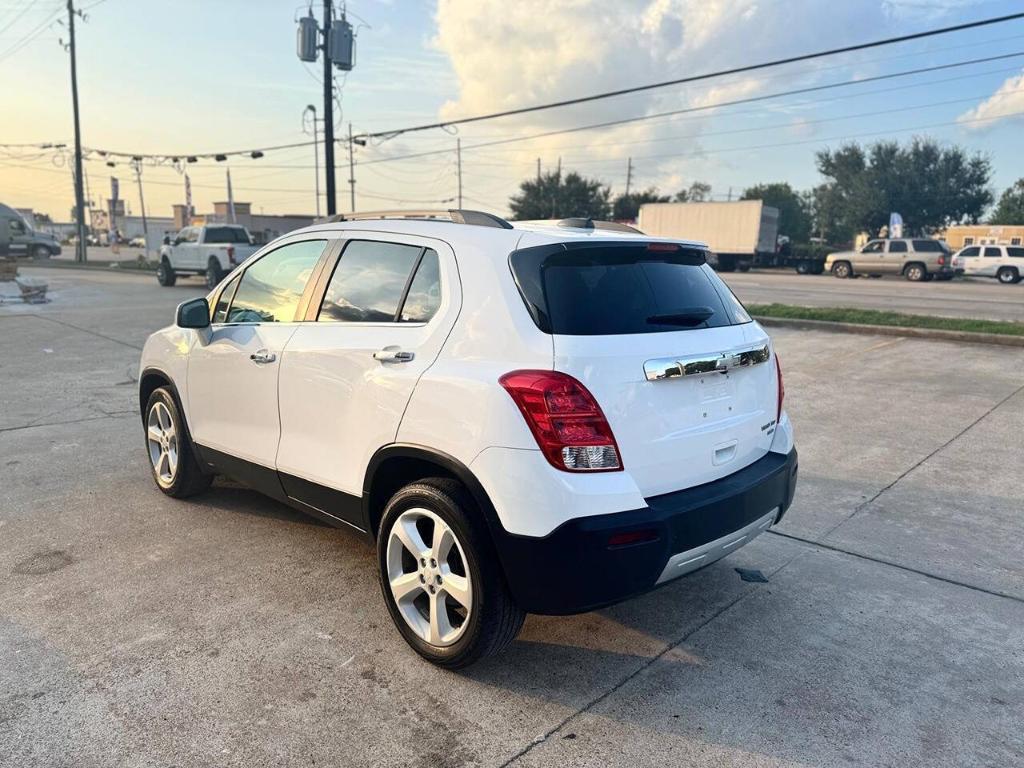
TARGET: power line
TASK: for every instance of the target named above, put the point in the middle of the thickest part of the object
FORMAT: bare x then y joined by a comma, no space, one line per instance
702,108
698,78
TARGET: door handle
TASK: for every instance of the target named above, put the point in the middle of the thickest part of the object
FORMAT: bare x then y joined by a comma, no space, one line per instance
393,355
263,356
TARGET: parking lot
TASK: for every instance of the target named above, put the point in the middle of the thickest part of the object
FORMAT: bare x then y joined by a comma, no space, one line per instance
230,630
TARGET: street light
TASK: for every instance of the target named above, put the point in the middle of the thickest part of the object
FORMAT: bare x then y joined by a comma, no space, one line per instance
316,154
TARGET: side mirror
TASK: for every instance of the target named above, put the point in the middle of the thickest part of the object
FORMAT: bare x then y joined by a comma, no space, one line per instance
194,313
167,239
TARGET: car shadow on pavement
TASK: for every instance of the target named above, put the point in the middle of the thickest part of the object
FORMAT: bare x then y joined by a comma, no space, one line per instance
231,496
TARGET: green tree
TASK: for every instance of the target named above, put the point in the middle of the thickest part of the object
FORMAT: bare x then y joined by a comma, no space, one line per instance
698,192
1010,209
558,196
929,185
628,206
794,213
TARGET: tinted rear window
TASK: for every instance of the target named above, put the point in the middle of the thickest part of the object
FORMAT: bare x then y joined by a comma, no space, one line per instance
1015,253
226,235
928,246
616,289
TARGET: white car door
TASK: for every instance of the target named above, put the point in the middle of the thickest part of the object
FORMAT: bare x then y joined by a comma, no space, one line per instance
234,365
970,260
991,260
388,304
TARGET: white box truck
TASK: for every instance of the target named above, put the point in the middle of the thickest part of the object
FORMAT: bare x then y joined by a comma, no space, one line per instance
739,234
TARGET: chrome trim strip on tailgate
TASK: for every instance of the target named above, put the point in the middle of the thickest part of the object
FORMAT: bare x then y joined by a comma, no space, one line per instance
719,362
684,562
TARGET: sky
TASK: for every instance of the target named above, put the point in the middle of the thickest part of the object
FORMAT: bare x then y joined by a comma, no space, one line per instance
198,76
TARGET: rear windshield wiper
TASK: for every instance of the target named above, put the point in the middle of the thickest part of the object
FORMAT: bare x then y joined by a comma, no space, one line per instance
686,317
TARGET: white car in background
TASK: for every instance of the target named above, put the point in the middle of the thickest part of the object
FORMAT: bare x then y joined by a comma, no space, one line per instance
523,418
1003,262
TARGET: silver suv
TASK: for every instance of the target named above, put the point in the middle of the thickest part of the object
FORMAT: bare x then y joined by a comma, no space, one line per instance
916,259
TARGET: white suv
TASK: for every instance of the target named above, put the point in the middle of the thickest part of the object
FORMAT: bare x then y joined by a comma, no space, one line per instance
1003,262
530,418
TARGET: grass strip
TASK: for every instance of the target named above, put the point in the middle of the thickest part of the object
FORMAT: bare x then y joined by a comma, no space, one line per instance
879,317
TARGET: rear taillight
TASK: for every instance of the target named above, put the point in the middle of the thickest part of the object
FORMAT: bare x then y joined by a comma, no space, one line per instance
565,419
231,254
782,389
941,260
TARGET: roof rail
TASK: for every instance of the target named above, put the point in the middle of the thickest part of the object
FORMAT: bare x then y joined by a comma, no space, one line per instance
588,223
456,215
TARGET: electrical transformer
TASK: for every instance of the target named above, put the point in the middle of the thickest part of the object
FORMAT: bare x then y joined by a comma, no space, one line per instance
341,43
307,38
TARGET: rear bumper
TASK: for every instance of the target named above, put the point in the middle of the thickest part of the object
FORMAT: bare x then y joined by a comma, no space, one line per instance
573,569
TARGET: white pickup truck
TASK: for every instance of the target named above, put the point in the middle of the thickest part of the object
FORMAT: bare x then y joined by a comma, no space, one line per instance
212,251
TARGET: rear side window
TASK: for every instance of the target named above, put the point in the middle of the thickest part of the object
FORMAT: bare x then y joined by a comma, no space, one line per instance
1016,253
993,253
928,246
376,282
619,289
226,235
897,246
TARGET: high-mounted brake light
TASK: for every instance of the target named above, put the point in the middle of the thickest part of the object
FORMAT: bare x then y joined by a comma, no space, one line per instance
565,419
782,389
672,247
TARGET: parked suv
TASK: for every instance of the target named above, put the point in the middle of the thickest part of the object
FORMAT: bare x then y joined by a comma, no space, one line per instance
1003,262
529,418
914,258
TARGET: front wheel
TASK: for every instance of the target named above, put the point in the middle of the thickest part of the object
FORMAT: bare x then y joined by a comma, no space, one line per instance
41,252
1008,276
164,274
842,270
169,448
440,576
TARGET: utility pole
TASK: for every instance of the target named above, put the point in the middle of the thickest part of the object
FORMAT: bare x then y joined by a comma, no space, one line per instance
538,170
729,197
629,173
329,113
351,172
458,165
80,250
316,156
142,205
559,166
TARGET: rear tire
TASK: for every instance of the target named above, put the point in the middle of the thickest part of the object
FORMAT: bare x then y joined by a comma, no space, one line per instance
842,270
446,630
172,461
803,267
1008,275
164,274
915,273
214,274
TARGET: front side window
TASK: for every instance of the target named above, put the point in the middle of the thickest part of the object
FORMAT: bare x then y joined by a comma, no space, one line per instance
897,246
972,251
17,227
369,282
220,312
873,247
270,289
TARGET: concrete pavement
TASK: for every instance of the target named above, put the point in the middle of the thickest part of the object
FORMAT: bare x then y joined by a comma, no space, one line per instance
229,630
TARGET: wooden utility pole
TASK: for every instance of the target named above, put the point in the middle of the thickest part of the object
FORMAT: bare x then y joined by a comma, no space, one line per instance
351,173
329,112
80,249
629,173
142,205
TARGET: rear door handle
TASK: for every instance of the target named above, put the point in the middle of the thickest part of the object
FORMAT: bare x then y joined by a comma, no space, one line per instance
393,355
263,356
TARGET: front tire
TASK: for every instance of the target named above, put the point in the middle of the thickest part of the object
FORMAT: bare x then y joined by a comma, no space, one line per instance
1007,276
440,576
842,270
169,448
40,252
164,274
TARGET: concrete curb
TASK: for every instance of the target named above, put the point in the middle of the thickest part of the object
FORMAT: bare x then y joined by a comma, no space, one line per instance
963,337
89,267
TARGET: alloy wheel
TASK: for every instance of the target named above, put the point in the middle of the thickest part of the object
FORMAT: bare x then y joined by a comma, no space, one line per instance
162,441
428,577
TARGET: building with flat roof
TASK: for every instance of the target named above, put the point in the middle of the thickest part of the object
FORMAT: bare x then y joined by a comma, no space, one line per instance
958,237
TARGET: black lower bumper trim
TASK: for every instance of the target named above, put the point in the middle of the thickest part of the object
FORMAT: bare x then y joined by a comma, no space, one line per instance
573,569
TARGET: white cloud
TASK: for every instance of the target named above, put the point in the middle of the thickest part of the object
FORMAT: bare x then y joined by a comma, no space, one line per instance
1006,103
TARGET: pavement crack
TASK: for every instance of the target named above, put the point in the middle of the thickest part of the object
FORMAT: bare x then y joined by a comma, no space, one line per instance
110,415
907,568
632,675
84,330
867,502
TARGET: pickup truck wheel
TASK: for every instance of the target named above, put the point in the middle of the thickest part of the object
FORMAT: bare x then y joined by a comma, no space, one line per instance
842,270
440,576
169,448
40,252
214,274
1008,275
915,272
803,267
164,274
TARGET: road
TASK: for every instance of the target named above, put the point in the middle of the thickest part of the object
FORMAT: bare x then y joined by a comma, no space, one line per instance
979,298
231,631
